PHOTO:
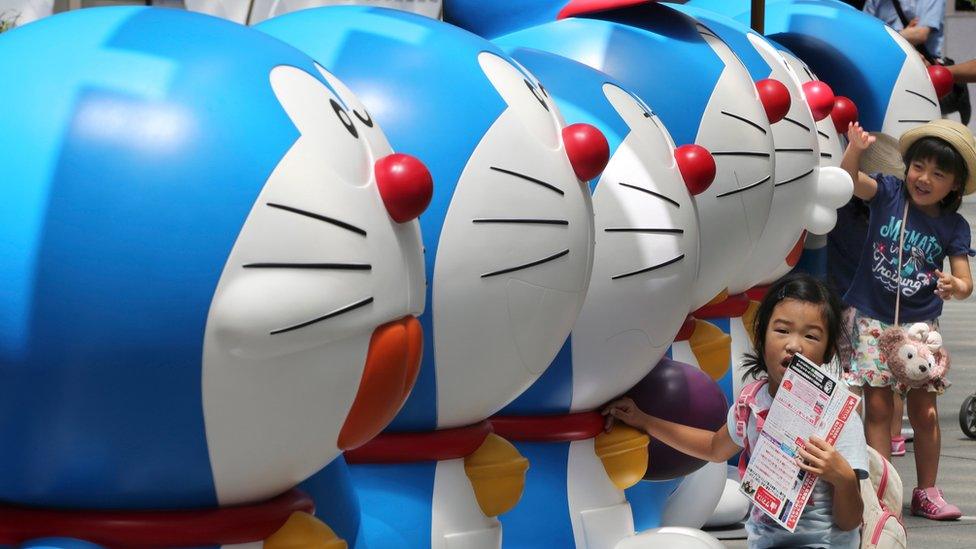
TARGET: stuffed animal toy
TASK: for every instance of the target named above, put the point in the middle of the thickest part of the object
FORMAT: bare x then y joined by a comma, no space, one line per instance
915,355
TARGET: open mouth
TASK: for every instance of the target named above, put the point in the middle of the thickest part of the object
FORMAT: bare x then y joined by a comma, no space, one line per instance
392,365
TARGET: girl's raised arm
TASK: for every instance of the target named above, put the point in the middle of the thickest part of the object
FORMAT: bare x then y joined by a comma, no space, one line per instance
858,141
714,446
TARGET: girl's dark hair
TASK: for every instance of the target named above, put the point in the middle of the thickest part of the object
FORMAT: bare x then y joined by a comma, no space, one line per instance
802,287
948,159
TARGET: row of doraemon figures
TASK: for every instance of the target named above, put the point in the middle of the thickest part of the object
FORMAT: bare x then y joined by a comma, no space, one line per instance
217,276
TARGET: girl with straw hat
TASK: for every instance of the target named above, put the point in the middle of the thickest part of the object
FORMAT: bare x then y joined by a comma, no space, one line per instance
914,226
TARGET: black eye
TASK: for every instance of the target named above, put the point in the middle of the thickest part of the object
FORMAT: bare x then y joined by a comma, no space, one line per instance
368,121
344,118
535,92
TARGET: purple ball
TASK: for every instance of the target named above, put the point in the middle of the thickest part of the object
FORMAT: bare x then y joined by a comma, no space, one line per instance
681,393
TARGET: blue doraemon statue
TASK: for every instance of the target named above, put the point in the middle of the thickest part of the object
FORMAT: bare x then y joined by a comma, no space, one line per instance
508,238
703,95
645,260
211,276
879,70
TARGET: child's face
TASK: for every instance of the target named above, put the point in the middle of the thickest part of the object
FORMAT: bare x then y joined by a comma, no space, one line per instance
794,327
928,184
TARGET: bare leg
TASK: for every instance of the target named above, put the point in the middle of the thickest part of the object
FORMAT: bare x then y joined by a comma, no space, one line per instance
897,411
924,416
877,421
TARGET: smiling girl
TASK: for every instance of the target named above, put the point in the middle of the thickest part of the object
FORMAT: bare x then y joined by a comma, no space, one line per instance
940,166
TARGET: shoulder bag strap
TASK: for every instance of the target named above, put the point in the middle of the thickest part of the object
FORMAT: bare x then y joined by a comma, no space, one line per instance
901,246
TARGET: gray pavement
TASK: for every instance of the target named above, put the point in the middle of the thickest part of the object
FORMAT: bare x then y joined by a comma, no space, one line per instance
957,468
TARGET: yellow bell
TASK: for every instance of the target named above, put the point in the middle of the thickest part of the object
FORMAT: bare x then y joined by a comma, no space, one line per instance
304,531
623,452
497,474
712,348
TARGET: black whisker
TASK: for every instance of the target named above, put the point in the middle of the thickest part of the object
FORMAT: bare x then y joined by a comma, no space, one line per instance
322,266
914,120
334,313
797,122
705,30
746,188
826,155
934,104
746,120
319,217
643,230
741,153
795,150
801,176
825,136
525,221
532,179
649,269
527,265
652,193
806,70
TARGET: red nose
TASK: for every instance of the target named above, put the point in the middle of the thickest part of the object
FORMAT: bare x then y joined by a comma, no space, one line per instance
697,167
843,113
588,150
775,99
941,79
405,186
820,98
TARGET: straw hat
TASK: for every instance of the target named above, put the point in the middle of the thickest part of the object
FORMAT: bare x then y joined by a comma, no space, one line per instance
953,133
883,157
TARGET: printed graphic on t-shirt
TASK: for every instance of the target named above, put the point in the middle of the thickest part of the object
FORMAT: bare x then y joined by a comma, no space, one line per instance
918,258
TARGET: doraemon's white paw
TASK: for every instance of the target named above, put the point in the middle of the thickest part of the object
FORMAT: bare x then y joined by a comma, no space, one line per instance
834,189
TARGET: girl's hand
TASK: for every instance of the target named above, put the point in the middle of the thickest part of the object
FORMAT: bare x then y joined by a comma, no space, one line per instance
858,138
947,286
820,458
626,411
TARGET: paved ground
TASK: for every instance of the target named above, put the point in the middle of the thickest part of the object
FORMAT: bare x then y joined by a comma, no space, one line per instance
957,470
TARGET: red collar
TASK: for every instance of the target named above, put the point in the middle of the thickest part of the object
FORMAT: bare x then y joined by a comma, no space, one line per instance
429,446
155,529
565,428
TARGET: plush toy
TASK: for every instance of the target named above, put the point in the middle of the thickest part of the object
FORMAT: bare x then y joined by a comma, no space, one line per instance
915,355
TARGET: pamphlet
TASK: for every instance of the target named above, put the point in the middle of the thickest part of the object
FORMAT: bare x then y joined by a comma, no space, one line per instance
809,402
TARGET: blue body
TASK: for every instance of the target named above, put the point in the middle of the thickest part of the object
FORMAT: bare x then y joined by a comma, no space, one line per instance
124,193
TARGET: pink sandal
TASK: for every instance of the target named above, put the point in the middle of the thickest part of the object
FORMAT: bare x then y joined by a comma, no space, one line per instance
930,503
898,446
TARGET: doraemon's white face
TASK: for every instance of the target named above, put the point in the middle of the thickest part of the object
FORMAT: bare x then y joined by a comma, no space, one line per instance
645,260
319,277
913,101
514,256
733,211
795,181
831,146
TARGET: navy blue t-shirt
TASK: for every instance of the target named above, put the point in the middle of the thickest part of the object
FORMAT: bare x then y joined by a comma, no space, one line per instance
845,244
928,240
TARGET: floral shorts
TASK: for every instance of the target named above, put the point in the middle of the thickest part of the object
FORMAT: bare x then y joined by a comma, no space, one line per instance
866,367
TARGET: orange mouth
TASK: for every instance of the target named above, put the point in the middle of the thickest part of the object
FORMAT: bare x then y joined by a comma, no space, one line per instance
392,365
